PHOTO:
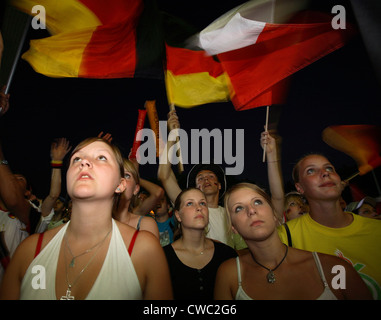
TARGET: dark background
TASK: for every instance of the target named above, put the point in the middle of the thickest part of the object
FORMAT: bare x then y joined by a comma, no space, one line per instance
339,89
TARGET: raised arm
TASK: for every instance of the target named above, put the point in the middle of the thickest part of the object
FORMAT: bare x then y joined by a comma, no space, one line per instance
58,151
155,193
165,173
274,172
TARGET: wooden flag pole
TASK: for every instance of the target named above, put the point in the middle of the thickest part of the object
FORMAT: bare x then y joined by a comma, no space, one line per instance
180,165
266,128
352,176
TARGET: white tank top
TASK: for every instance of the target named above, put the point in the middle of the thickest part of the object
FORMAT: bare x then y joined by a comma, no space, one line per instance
326,295
116,280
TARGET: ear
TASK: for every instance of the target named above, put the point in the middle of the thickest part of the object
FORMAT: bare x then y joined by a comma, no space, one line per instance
299,188
137,188
234,230
177,215
122,186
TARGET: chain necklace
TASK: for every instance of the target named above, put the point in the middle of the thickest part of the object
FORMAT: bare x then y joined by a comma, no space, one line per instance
72,262
271,276
68,295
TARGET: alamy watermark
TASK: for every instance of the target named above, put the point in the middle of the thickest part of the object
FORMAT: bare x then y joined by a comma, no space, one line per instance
39,280
39,19
224,141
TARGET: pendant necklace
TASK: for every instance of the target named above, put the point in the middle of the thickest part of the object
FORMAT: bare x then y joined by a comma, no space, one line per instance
271,276
68,295
72,262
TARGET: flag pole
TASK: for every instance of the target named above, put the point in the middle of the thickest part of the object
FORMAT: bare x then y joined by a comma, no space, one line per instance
266,127
352,176
17,55
377,185
180,165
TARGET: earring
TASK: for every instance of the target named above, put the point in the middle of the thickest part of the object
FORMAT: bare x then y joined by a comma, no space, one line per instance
118,189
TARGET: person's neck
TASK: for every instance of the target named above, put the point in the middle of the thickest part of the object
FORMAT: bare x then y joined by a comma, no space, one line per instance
212,200
122,212
162,218
269,252
90,220
329,214
193,240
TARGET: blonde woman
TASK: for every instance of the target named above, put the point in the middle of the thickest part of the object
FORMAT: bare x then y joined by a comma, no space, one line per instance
271,270
128,203
92,256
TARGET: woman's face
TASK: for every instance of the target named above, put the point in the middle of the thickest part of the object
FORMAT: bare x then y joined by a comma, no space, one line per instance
193,213
132,188
294,208
94,172
318,179
252,217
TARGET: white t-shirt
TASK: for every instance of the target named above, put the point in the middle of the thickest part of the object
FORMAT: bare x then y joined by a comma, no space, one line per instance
12,232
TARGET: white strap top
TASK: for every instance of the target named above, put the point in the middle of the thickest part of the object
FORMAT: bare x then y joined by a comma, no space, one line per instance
116,280
326,295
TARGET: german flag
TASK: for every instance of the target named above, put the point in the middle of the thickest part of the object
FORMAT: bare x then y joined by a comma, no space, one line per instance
95,39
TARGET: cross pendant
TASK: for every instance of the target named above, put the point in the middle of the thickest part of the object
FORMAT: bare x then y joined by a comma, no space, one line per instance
68,295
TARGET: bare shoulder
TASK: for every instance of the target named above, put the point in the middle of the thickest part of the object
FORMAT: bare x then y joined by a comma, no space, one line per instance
329,261
340,271
229,264
143,237
149,224
228,269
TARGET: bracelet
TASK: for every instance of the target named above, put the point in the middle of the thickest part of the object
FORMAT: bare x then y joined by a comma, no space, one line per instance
273,161
56,163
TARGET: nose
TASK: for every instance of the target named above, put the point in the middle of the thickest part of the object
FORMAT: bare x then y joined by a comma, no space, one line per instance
85,163
251,210
325,173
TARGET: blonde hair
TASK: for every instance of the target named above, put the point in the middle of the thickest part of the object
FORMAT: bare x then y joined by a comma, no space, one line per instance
240,186
129,166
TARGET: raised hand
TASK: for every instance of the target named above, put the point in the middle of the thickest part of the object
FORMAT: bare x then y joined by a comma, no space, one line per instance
59,149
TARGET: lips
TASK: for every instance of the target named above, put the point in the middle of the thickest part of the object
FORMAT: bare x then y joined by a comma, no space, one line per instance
327,184
256,223
85,176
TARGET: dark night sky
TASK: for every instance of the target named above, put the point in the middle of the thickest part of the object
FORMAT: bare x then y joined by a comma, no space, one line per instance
340,88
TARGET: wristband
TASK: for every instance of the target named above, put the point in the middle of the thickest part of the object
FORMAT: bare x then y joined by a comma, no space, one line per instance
56,163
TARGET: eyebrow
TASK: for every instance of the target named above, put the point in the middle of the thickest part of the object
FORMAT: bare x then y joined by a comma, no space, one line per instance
192,199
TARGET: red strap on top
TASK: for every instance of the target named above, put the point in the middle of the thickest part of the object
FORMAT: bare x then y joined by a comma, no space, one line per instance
131,246
39,242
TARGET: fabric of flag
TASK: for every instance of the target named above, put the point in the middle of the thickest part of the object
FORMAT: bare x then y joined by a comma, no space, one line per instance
192,78
90,38
361,142
256,55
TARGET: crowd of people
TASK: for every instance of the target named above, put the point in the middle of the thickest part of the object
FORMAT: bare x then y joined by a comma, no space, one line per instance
105,240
